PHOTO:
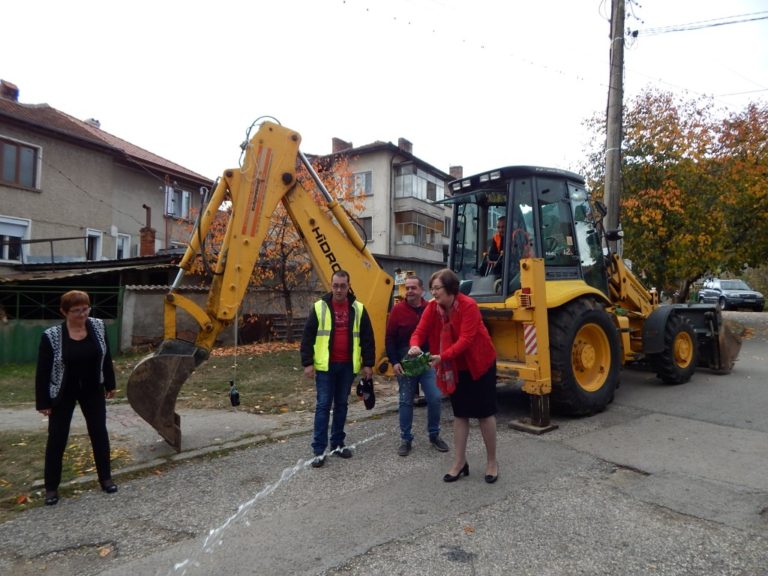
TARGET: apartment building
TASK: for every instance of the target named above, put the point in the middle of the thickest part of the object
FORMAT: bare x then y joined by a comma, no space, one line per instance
401,219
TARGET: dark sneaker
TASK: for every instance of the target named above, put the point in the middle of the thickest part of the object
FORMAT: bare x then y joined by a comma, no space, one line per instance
405,448
343,452
439,444
318,461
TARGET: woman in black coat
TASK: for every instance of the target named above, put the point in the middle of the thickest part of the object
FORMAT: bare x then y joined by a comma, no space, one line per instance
74,366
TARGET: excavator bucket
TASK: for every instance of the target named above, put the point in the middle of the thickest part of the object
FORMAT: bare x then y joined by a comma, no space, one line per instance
154,385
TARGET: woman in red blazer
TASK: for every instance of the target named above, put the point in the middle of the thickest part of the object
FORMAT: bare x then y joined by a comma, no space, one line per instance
465,360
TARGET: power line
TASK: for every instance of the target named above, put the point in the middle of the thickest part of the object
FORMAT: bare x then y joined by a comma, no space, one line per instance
91,197
738,19
632,36
468,41
744,93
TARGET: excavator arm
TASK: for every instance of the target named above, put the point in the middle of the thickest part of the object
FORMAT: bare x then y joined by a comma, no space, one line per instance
267,177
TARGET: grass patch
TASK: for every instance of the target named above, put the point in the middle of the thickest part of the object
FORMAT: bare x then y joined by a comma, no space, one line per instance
268,383
17,384
22,460
270,380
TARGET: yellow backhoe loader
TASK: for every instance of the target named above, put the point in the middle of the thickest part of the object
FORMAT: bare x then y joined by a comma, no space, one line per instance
564,313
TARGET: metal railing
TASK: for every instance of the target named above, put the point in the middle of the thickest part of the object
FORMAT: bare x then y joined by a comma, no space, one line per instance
20,243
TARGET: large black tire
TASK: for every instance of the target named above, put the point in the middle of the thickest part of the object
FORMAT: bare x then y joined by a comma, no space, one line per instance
677,363
585,354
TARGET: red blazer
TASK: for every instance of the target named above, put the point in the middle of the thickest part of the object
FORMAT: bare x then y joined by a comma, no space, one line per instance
472,347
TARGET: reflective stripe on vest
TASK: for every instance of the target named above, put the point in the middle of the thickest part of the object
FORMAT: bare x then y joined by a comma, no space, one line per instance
322,349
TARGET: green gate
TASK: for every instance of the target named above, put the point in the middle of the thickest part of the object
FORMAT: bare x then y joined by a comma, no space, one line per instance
26,311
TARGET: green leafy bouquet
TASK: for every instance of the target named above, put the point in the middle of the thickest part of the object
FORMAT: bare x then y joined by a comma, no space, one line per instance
415,365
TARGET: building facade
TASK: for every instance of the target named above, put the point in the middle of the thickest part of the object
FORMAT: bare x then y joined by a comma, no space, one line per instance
401,219
70,191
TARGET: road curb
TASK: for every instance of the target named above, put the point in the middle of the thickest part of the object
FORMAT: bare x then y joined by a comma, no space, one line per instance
246,440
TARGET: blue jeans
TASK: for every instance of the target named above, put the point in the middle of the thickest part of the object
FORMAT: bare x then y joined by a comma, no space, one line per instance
333,388
433,396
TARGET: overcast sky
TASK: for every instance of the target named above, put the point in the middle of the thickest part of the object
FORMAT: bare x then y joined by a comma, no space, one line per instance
479,84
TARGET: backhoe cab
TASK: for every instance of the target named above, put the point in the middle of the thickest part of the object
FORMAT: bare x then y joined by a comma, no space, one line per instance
563,311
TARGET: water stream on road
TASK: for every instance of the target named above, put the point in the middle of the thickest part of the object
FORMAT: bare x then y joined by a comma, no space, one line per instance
215,536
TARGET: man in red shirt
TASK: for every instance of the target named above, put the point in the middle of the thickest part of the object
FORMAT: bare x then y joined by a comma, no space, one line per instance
337,343
402,322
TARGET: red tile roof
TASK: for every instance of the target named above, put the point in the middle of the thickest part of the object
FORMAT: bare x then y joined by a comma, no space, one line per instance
44,117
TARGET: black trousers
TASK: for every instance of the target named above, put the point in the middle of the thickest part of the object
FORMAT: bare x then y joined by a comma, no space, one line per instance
94,409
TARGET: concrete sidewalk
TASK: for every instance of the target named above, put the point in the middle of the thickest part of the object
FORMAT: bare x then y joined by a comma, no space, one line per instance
203,431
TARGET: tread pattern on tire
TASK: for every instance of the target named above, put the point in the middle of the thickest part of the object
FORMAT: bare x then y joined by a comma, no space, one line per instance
564,323
664,362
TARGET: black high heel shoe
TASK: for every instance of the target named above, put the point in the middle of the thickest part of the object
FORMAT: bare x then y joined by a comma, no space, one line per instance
51,497
463,472
109,487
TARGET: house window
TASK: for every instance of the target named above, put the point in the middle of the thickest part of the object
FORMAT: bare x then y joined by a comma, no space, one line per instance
431,191
12,232
123,246
361,184
413,182
419,229
177,202
19,163
93,244
367,225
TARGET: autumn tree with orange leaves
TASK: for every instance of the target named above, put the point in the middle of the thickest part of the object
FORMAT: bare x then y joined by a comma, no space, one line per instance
695,187
284,263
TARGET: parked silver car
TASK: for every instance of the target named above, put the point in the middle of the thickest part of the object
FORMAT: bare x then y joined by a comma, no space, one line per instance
731,294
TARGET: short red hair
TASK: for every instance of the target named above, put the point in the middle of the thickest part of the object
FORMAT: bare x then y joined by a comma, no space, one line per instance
74,298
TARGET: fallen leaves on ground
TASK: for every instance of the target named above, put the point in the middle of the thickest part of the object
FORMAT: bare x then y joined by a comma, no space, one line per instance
105,551
79,456
254,349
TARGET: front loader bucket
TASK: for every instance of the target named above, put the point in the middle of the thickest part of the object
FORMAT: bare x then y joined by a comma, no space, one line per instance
154,384
729,346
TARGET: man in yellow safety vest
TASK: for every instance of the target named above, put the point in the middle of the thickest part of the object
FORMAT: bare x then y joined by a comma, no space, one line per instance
337,344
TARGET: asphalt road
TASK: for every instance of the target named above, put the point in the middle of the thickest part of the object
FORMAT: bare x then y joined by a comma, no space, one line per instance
668,481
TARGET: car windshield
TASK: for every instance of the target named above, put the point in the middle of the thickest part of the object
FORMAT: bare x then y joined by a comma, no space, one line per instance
734,285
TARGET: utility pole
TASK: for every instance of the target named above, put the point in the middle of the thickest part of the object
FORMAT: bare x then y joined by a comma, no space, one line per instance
614,117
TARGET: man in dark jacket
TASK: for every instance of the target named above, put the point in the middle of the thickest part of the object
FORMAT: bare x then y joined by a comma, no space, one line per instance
402,322
337,344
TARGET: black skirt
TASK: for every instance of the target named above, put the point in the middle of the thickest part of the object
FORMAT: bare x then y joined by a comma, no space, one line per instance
475,398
